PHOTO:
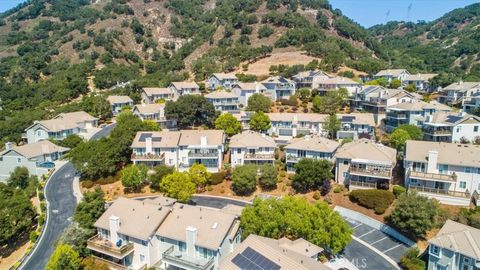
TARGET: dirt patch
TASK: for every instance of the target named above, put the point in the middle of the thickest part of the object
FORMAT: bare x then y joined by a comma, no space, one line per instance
278,57
11,254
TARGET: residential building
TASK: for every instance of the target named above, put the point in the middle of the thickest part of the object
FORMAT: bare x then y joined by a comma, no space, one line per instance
224,101
246,90
420,81
224,80
365,164
335,83
60,127
251,147
315,147
153,94
456,246
279,87
390,74
117,103
257,252
356,126
37,157
457,92
412,113
156,113
288,125
310,79
448,172
451,127
180,149
376,99
164,234
184,88
471,104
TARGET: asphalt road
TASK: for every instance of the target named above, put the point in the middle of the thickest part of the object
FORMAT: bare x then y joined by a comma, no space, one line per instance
61,205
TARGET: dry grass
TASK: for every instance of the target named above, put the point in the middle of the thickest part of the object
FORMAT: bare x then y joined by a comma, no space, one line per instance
279,57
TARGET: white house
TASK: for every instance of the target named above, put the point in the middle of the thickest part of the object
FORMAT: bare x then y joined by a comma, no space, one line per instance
117,103
224,101
224,80
471,104
246,90
390,74
315,147
60,127
451,127
154,112
420,81
335,83
457,92
285,126
376,99
153,94
37,157
448,172
456,246
279,87
310,79
251,147
184,88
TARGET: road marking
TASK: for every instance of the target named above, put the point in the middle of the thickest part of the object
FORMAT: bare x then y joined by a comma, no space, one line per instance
366,233
388,259
392,248
379,240
55,211
358,225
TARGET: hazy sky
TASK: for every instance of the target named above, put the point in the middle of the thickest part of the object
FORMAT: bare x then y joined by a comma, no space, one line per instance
371,12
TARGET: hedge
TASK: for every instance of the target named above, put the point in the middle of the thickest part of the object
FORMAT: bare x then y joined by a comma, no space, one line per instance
218,178
398,190
376,199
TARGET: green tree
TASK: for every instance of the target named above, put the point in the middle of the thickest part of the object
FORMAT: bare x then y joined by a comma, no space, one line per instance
410,87
71,141
199,175
332,125
90,263
395,83
310,174
471,217
229,124
19,177
90,209
330,103
244,179
304,94
414,214
191,111
411,261
76,237
399,138
412,130
259,103
264,31
64,258
268,176
259,122
159,173
179,186
294,217
133,176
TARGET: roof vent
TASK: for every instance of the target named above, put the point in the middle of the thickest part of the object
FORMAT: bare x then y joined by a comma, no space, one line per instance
215,225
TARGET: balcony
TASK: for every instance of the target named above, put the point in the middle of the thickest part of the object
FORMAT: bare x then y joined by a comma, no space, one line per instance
259,156
363,184
193,154
432,177
104,246
149,156
437,132
182,260
440,191
374,172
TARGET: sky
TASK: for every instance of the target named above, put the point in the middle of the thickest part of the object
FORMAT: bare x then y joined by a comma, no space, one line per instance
370,12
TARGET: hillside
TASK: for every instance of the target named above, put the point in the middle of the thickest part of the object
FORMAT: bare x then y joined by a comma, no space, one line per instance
449,44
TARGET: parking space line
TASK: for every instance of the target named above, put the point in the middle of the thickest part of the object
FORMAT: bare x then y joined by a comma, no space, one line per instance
366,233
392,248
358,225
379,240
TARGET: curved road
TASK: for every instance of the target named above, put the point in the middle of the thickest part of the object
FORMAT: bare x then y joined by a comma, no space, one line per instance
61,205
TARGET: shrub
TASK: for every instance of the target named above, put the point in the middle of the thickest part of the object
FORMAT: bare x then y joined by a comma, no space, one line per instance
411,261
289,102
378,200
337,189
41,219
398,190
33,236
87,184
209,188
316,195
217,178
41,196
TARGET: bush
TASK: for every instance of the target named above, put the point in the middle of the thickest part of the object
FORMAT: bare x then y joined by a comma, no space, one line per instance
289,102
337,189
87,184
217,178
41,219
316,195
33,236
398,190
411,261
244,179
41,196
378,200
106,180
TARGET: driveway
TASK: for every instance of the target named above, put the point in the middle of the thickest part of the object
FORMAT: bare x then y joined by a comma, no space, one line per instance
61,202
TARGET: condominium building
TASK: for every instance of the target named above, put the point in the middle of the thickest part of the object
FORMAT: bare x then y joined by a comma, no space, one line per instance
164,234
472,103
156,113
224,101
118,103
457,92
278,87
184,88
391,74
60,127
251,147
456,246
289,125
315,147
420,81
376,99
447,172
37,157
356,126
246,90
365,164
154,94
451,127
223,80
335,83
310,79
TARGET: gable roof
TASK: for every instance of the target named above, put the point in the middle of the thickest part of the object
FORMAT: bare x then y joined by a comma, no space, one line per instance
277,79
159,138
180,85
448,118
366,149
297,117
150,91
193,137
149,108
315,143
338,80
390,72
251,138
225,76
420,77
420,106
448,153
311,73
76,117
221,94
461,86
119,99
249,86
459,238
36,149
357,118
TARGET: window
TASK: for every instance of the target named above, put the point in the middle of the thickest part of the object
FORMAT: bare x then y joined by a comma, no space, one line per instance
468,170
239,151
458,129
144,242
434,250
142,258
345,174
463,184
413,181
345,162
19,160
1,158
182,246
475,128
442,168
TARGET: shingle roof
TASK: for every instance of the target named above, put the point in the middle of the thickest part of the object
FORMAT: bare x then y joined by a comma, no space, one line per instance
150,91
390,72
449,118
461,86
221,94
448,153
420,77
180,85
223,76
193,137
249,86
36,149
77,117
366,149
119,99
315,143
159,138
251,139
459,238
65,121
311,73
339,81
285,253
420,106
302,117
277,79
149,108
212,225
358,118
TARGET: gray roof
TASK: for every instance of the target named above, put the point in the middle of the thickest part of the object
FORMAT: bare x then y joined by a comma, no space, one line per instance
390,72
451,119
277,79
424,77
221,94
180,85
297,117
149,108
36,149
65,121
251,139
223,76
249,86
462,86
311,73
315,143
119,99
448,153
367,150
420,106
150,91
339,81
285,253
193,137
459,238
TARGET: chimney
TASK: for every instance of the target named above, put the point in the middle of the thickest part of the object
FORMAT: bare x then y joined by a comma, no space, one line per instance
257,88
191,240
8,146
203,140
114,223
432,161
148,145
